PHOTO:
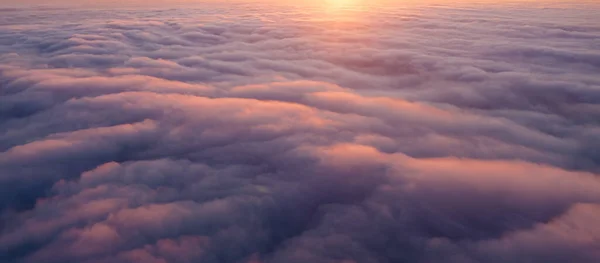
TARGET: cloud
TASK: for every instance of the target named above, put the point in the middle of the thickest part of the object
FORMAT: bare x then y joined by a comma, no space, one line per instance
213,134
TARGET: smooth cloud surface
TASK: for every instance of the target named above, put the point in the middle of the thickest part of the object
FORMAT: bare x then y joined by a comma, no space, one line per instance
277,133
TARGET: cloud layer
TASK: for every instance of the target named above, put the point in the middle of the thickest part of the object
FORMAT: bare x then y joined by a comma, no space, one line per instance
273,133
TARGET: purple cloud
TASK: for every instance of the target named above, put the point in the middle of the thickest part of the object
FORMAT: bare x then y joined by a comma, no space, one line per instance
257,133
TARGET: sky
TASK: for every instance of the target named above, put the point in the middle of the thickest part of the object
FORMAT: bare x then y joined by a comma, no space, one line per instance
334,131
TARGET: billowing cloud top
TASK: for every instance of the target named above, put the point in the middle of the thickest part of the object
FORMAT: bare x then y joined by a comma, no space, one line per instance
246,133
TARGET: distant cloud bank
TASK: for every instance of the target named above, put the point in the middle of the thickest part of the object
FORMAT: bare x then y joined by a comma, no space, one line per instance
248,133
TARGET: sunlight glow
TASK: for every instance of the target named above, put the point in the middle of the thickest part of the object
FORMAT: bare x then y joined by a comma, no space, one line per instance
339,4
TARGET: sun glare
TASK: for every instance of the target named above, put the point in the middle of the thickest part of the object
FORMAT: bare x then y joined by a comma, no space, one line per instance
340,3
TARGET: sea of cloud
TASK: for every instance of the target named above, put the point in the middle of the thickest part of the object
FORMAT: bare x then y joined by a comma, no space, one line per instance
246,133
